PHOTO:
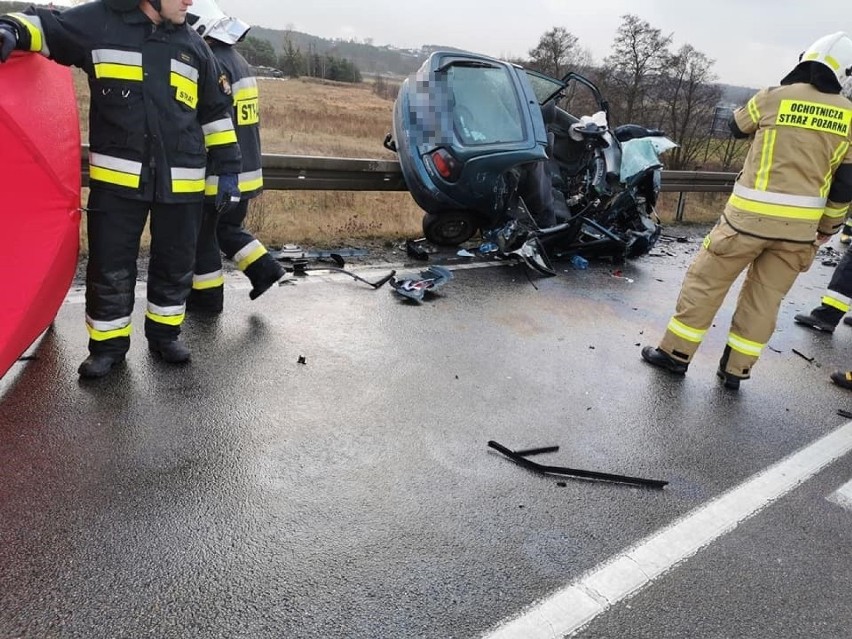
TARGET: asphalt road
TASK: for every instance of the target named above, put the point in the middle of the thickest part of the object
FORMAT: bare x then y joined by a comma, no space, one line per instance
354,495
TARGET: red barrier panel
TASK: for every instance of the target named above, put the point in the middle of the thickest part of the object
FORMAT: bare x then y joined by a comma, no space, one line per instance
39,198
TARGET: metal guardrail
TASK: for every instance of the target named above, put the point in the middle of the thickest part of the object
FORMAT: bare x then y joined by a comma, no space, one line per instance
311,173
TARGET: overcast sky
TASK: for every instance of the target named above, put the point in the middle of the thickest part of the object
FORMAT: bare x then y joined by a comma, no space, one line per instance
754,42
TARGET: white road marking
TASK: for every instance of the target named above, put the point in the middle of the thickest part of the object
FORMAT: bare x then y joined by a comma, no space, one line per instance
843,496
580,602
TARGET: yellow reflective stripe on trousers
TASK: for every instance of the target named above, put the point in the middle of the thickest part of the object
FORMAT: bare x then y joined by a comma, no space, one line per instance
694,335
753,111
836,159
169,315
841,304
249,254
776,210
744,346
761,182
101,331
208,280
33,26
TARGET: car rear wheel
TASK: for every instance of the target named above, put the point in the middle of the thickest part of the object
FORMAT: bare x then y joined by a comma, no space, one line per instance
449,228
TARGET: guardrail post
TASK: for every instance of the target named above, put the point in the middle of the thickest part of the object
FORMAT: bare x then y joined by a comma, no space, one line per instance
681,202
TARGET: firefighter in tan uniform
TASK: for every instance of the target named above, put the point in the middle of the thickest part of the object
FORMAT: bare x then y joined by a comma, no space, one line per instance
792,195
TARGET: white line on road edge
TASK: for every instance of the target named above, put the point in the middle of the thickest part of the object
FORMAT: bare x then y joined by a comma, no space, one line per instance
580,602
843,496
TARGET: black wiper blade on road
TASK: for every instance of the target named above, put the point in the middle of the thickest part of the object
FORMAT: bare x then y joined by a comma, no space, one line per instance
519,459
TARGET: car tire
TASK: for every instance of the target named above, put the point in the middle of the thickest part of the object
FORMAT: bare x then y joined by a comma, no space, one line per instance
449,228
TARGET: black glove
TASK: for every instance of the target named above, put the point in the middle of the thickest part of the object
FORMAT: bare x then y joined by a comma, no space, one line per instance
228,195
8,41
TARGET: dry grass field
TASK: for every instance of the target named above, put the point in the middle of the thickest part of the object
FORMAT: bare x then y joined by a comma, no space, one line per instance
310,117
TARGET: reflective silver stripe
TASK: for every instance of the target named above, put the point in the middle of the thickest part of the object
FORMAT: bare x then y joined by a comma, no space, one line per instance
185,70
217,126
110,325
242,85
117,56
247,250
207,277
166,311
250,176
768,197
114,163
179,173
213,182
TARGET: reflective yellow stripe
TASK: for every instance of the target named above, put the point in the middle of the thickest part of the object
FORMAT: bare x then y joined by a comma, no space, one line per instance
744,346
188,186
838,156
36,41
221,138
113,177
205,284
251,258
776,210
251,185
688,333
118,72
761,182
833,63
835,303
170,320
100,336
753,111
832,212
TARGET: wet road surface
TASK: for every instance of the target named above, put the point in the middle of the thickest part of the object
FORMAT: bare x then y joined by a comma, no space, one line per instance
248,495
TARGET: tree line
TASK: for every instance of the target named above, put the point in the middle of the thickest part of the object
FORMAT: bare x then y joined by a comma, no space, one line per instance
648,81
295,63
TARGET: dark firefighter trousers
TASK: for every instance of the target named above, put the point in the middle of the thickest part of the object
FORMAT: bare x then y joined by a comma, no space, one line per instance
115,226
226,234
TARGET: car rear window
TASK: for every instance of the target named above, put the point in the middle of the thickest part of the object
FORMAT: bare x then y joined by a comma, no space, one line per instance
485,106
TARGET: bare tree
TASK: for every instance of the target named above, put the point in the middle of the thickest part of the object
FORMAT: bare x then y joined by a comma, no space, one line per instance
557,51
639,53
689,98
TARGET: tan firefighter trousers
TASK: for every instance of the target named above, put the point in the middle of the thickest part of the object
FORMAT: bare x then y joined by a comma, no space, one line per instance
773,266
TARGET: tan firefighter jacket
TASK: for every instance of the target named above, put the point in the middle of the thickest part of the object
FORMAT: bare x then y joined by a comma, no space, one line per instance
801,137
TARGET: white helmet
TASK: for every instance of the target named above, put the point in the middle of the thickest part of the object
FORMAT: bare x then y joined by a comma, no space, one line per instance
835,52
207,18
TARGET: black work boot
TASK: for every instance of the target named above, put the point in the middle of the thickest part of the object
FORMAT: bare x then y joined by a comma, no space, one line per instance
662,359
264,274
842,379
206,301
172,351
822,318
847,321
99,365
730,380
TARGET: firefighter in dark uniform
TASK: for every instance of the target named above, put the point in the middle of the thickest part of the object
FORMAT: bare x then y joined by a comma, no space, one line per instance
836,301
158,109
226,232
792,195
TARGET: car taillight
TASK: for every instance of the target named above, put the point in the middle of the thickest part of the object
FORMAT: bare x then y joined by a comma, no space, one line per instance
445,164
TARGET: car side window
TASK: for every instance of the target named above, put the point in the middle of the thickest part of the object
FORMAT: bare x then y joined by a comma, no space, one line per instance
486,109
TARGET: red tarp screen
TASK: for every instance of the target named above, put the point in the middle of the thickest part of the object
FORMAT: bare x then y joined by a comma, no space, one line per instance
39,198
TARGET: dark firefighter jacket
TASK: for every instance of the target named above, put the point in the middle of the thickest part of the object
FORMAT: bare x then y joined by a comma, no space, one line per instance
246,117
157,103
